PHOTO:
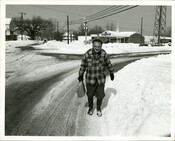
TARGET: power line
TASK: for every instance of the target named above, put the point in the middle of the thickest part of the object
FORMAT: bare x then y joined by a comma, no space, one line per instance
59,11
110,14
102,11
106,12
98,14
147,26
17,9
11,14
64,25
103,16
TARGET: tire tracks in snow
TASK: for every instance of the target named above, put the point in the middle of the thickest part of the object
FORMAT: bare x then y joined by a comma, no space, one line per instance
22,97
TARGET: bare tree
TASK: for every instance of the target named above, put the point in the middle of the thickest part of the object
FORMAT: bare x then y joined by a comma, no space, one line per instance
31,27
96,30
81,30
110,26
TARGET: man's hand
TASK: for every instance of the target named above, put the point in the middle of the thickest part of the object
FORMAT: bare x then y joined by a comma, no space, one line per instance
112,76
80,78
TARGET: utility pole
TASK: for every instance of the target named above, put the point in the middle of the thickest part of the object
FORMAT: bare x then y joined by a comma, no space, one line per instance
141,30
22,24
160,19
159,24
67,29
57,26
86,29
57,36
71,37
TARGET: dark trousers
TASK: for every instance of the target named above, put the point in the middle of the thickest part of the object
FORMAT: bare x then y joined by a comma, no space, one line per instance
96,90
99,102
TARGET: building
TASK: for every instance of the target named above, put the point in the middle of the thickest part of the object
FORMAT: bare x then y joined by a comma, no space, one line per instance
23,37
71,36
151,40
7,26
83,38
120,37
165,39
10,35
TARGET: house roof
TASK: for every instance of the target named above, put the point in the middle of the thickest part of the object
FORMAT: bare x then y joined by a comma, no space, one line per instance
7,21
118,34
65,34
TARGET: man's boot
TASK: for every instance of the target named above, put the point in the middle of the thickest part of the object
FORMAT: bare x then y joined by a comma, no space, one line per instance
90,101
99,102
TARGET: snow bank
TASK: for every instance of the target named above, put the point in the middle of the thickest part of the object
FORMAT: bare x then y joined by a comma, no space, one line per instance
76,47
62,47
141,105
10,44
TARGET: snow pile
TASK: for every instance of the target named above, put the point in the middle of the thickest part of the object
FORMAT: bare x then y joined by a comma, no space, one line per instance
141,104
10,45
77,47
12,53
131,47
62,47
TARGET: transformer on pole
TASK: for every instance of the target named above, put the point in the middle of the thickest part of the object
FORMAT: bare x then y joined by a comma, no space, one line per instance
159,24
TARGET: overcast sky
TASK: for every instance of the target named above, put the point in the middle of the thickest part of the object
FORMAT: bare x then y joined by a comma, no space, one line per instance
128,21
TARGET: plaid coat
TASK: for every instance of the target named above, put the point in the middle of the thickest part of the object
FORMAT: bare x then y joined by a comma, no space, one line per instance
95,66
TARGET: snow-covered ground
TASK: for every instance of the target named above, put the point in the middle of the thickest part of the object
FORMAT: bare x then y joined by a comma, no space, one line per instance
138,100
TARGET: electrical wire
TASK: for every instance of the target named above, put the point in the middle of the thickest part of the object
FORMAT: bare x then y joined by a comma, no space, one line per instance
103,11
106,12
67,13
100,12
63,26
122,9
110,13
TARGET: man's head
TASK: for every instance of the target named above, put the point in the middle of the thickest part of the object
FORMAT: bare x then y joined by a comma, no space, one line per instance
97,45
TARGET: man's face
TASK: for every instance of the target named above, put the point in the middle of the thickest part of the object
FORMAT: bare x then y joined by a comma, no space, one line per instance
97,47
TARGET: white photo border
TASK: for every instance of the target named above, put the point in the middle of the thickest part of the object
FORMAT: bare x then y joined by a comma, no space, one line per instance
3,4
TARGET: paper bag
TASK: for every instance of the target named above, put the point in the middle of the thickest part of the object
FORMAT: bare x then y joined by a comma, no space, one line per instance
81,89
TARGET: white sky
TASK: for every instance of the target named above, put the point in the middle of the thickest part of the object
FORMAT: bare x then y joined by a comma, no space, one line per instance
128,21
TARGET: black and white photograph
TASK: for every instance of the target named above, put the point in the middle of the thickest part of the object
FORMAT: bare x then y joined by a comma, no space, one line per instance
87,70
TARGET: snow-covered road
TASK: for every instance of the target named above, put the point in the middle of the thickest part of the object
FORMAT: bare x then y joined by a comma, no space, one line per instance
41,98
44,98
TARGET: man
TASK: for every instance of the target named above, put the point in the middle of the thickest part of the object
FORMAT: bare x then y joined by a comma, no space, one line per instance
95,62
